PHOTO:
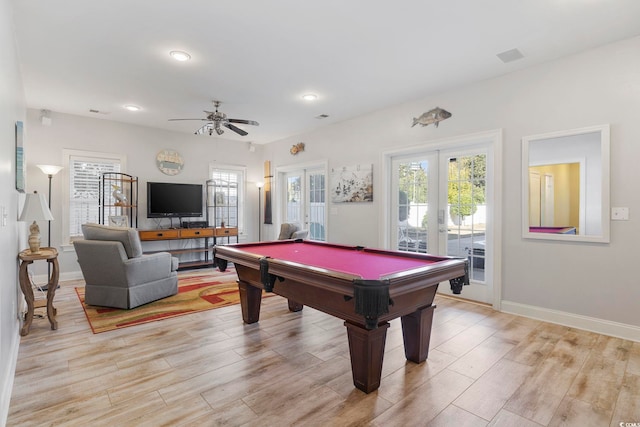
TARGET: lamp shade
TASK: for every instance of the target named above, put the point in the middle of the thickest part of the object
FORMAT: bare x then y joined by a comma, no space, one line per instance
35,208
50,169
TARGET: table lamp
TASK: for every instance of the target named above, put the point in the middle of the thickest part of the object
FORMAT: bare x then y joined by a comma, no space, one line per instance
35,209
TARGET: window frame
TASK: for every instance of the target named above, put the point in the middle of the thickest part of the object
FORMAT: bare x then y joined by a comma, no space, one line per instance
68,157
242,188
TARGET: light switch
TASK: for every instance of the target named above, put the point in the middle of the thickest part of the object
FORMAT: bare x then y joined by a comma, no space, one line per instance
619,214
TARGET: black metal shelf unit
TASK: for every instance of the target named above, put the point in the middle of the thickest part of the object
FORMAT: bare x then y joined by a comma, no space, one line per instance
118,199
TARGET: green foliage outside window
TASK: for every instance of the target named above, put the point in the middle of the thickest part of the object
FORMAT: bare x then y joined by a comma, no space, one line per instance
413,181
466,184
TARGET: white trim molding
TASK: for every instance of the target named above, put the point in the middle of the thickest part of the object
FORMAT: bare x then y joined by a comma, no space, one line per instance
592,324
6,385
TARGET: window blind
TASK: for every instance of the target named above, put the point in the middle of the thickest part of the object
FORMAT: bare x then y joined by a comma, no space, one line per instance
84,189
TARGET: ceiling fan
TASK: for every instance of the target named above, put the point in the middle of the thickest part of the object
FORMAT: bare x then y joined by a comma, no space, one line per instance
218,120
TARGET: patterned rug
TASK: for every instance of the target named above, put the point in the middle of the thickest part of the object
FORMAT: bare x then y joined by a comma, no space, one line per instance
195,293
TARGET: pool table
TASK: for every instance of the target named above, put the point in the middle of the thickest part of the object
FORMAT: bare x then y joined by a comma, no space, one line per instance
364,287
554,230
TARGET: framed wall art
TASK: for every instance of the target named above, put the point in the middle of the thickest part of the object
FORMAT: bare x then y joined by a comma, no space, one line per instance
352,184
21,164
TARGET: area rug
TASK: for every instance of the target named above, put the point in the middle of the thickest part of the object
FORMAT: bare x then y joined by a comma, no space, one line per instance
195,293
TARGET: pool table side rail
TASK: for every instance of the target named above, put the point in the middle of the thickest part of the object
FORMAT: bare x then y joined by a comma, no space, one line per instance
407,283
387,252
402,282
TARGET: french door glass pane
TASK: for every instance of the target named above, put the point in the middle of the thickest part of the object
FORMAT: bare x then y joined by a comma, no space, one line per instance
294,198
413,206
316,210
467,211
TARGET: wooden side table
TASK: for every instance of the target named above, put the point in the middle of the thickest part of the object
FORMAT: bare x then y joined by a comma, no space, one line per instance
51,256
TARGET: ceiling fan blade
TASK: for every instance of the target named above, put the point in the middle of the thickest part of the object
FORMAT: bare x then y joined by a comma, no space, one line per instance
246,122
174,120
235,129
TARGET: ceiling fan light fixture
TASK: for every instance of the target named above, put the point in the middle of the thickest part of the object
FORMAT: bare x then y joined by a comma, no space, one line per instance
217,120
309,96
179,55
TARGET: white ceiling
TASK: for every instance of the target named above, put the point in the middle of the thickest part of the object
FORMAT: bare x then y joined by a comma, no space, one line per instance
259,57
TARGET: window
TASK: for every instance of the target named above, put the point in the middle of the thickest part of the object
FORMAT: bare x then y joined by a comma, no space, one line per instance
234,190
84,171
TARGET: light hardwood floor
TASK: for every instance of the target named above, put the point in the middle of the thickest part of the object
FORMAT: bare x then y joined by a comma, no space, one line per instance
209,369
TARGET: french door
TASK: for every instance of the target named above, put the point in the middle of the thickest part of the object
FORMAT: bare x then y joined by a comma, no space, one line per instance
441,204
305,201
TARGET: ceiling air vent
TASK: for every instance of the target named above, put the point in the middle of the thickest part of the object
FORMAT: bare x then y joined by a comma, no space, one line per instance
322,116
510,55
98,111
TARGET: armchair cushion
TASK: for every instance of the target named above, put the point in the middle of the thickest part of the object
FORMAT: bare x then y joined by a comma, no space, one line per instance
286,230
290,230
127,236
300,234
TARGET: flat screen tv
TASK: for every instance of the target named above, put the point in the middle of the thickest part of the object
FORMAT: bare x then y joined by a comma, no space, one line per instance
169,200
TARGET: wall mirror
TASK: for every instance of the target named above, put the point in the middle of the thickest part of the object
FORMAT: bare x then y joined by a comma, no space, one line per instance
565,185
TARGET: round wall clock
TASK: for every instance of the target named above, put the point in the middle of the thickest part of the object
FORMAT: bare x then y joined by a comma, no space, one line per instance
169,162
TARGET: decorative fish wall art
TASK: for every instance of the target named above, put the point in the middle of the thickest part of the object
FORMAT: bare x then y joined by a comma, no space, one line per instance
435,116
297,148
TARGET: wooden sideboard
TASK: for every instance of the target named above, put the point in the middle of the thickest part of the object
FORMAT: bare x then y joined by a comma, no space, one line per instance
206,233
225,232
205,260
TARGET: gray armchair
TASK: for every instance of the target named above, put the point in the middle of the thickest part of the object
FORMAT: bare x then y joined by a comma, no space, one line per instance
117,273
290,230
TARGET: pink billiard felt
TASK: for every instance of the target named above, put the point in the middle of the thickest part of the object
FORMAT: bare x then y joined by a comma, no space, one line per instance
368,265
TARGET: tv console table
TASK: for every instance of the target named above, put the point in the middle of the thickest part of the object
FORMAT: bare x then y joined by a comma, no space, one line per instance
189,234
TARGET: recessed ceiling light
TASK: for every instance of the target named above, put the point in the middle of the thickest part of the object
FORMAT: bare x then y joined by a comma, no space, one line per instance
310,97
179,55
132,107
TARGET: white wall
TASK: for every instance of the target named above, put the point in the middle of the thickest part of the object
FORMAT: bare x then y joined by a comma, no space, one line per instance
582,281
598,86
140,146
12,109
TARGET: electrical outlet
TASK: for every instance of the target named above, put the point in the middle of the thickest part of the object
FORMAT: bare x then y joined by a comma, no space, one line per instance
619,214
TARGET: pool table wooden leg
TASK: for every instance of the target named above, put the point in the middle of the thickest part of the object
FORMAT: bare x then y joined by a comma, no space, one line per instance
250,299
366,348
295,306
416,332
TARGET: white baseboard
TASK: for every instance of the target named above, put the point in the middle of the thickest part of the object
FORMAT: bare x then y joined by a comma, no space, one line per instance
7,376
592,324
